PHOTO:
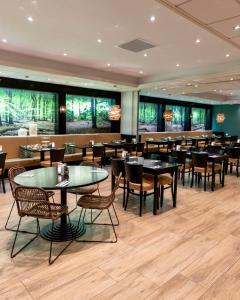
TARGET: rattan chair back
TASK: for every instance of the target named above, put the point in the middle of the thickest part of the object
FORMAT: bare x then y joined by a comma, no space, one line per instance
12,173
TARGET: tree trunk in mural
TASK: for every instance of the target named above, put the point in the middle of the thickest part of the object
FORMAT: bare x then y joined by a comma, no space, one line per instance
10,107
93,112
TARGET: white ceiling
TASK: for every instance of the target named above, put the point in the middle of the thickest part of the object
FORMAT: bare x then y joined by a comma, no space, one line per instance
36,48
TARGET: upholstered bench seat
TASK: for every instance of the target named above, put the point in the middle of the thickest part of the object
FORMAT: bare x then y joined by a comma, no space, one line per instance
25,162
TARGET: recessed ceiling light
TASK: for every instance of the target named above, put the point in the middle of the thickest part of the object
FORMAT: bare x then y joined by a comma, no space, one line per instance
227,55
182,93
196,85
152,18
198,41
231,78
237,27
214,90
4,41
65,54
99,41
163,89
49,79
177,65
0,72
189,84
109,65
145,55
140,72
30,19
231,93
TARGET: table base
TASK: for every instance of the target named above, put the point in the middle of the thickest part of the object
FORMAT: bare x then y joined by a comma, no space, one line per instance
62,232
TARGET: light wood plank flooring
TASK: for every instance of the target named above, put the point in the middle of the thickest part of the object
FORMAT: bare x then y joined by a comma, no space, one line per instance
191,252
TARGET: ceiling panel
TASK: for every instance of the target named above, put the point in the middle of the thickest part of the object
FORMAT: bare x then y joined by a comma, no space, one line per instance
227,27
236,40
210,11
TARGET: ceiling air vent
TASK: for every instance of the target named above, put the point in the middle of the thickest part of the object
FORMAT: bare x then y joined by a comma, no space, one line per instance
136,45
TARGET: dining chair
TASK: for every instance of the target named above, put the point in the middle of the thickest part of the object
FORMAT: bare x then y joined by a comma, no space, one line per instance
140,149
129,147
34,202
201,168
136,181
85,190
233,158
2,169
117,169
101,203
97,155
182,159
12,173
56,156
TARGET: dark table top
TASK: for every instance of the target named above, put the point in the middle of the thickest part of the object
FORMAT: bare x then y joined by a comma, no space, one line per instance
47,178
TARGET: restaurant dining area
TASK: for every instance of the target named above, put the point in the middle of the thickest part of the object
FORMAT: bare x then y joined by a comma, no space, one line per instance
120,150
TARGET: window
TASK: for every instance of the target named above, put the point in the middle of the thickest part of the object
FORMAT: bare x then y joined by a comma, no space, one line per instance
198,121
88,114
148,114
19,108
178,120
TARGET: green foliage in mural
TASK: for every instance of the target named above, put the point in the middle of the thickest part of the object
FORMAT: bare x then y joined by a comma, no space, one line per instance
148,116
18,108
198,118
88,114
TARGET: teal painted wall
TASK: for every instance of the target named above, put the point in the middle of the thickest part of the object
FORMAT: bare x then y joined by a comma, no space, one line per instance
231,125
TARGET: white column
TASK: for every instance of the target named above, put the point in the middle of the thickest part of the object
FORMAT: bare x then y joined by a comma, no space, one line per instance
129,112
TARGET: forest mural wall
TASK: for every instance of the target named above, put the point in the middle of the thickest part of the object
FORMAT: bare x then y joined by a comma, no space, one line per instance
148,114
87,114
19,108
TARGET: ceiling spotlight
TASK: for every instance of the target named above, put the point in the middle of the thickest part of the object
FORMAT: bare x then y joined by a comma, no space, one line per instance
30,19
4,41
152,18
189,84
0,72
237,27
99,41
177,65
231,78
196,85
182,93
227,55
65,54
49,79
198,41
140,72
231,93
214,90
145,55
109,65
163,89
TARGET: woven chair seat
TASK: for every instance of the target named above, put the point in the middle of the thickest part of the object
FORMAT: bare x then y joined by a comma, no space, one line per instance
41,210
50,193
164,179
84,190
94,202
163,149
147,185
187,167
233,161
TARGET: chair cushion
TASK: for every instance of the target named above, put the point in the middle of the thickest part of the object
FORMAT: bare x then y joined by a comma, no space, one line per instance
164,179
233,161
146,185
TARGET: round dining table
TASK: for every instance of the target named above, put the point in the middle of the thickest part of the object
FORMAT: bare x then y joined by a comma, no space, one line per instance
48,178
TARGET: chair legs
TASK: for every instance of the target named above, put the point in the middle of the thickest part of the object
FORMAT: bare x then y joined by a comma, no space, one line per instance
3,184
50,260
106,224
29,242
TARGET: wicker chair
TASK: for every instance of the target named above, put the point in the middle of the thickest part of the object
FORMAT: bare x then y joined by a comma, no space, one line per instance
34,202
56,156
86,190
100,203
12,173
2,168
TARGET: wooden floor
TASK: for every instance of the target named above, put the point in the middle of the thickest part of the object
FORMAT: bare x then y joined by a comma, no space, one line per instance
191,252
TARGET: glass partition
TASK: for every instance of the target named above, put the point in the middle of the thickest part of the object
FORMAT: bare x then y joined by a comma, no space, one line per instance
19,108
148,116
178,120
86,114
